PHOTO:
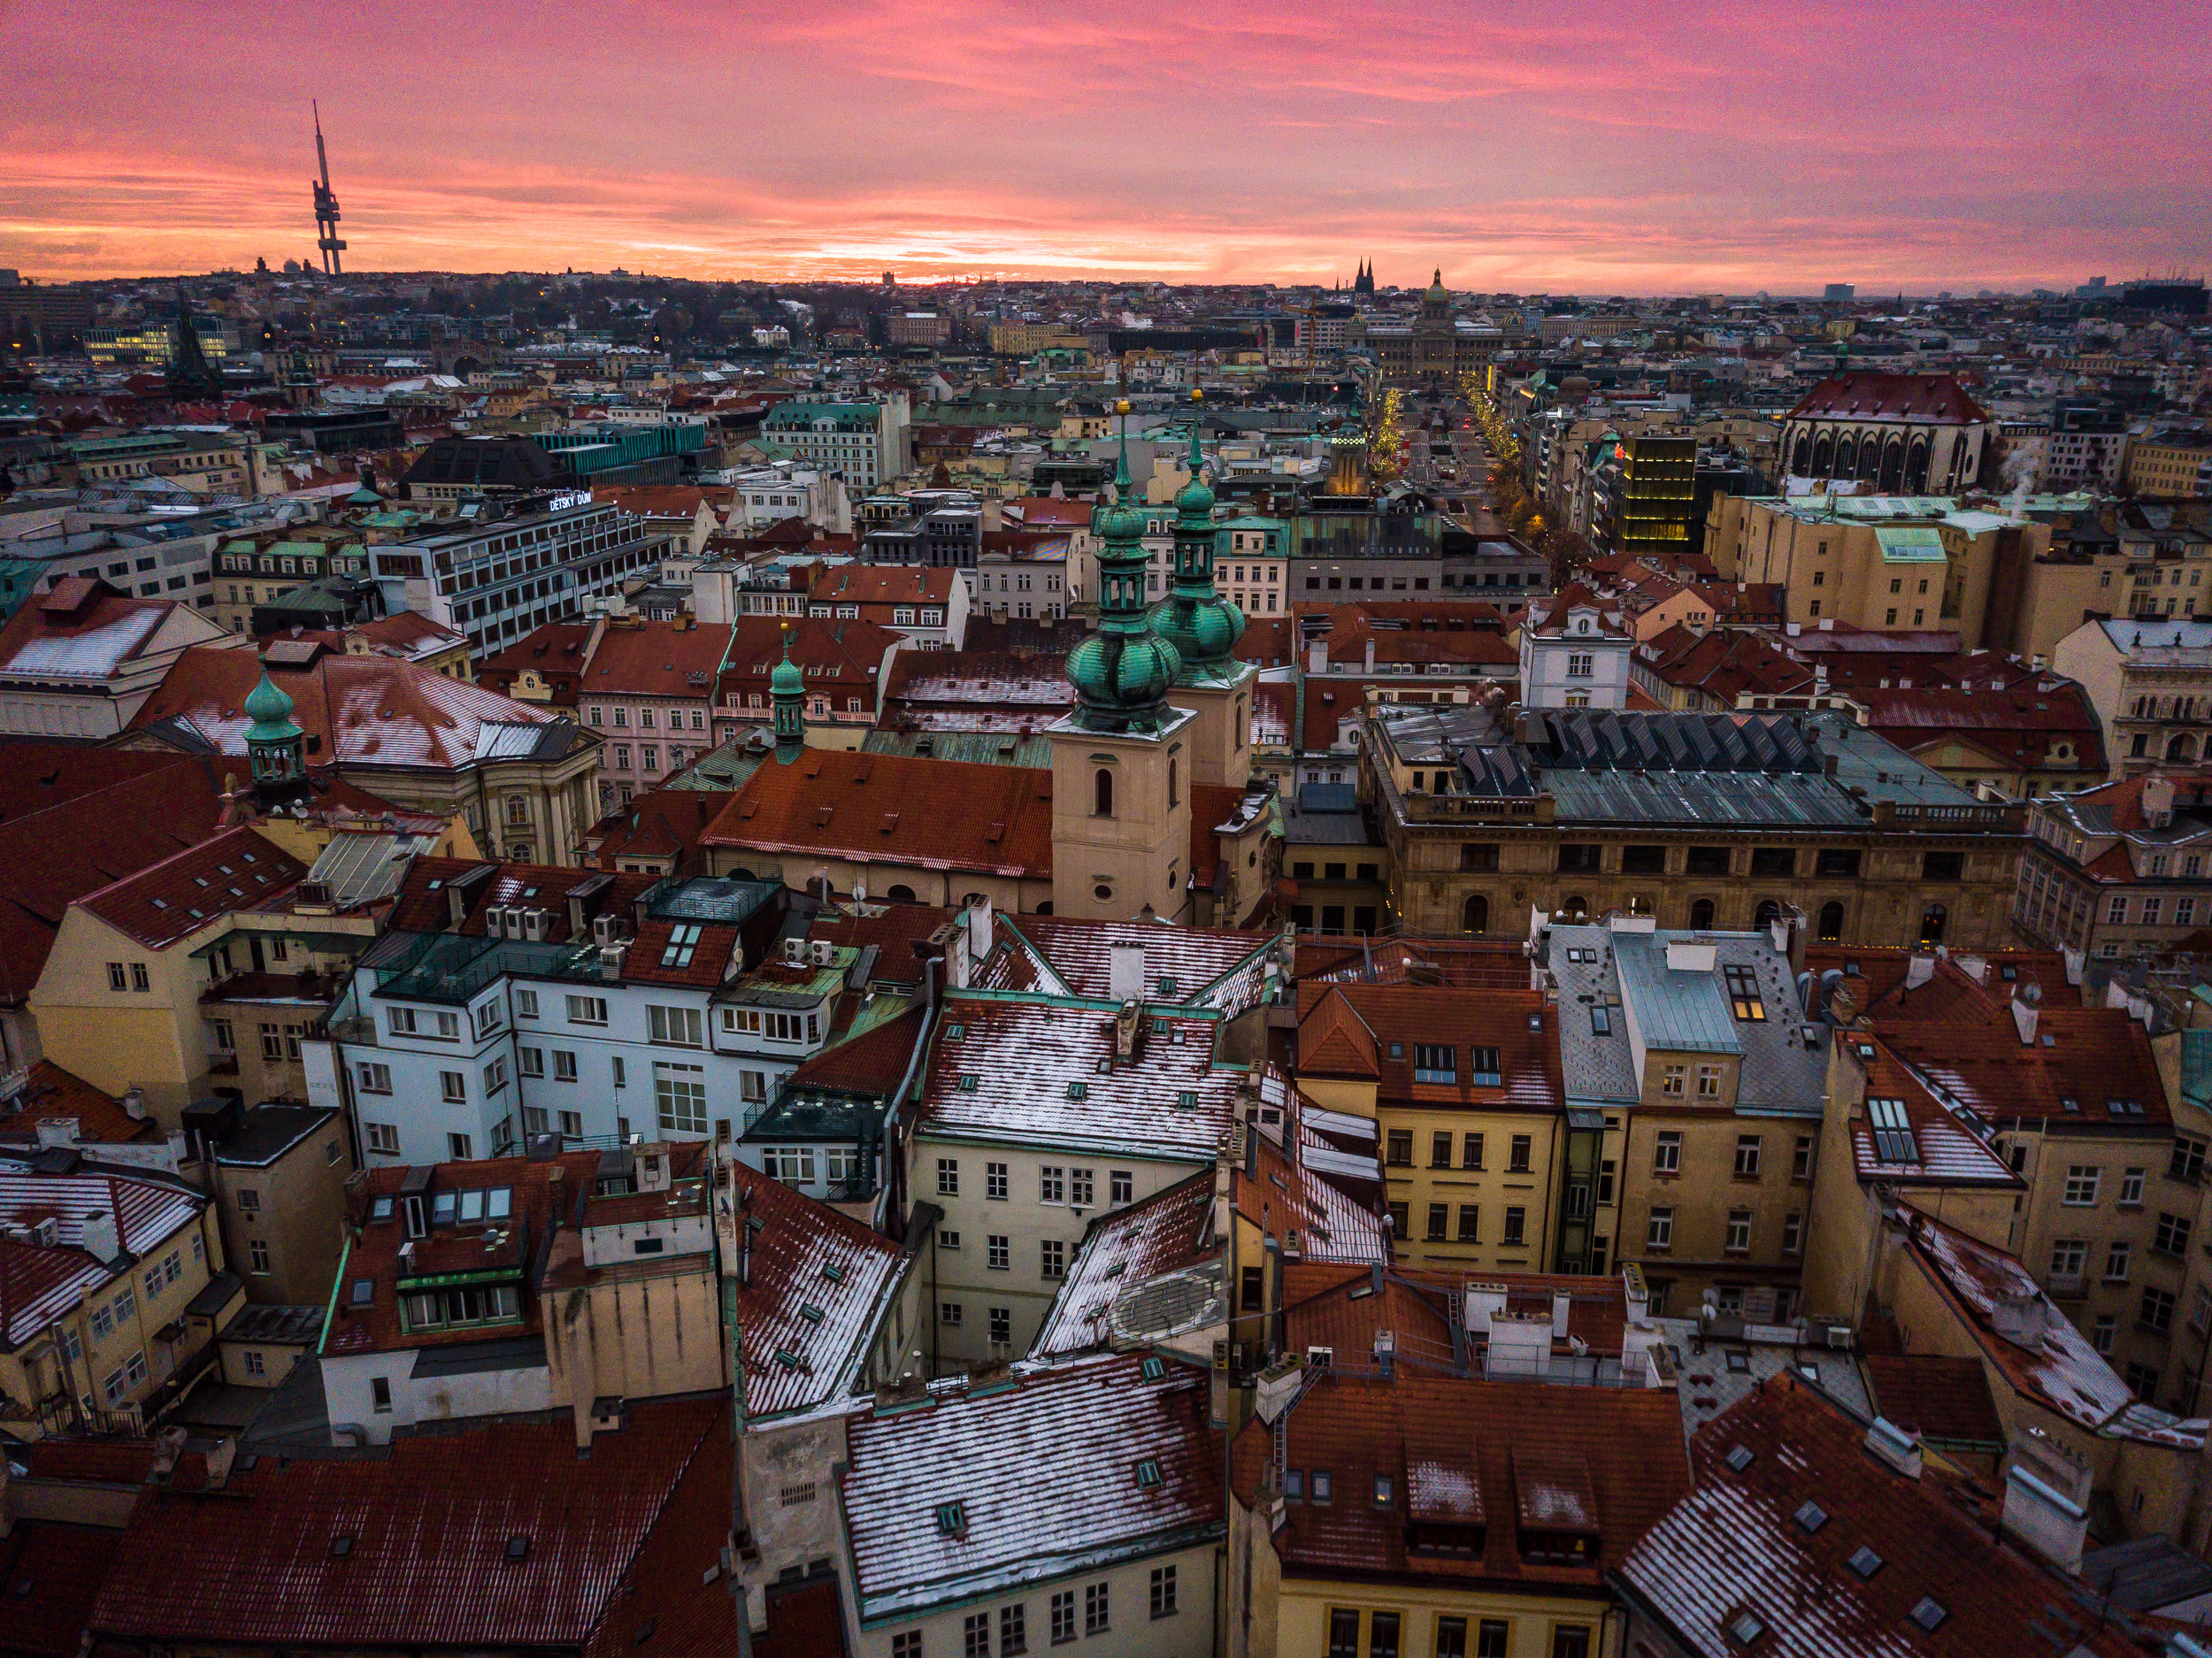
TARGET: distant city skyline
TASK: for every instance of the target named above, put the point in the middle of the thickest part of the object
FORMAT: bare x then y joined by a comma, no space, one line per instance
1560,149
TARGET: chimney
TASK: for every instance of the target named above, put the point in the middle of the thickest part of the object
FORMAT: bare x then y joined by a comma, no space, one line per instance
1368,659
1561,1300
1125,1024
978,921
1124,973
2158,801
2046,1500
57,1130
1898,1447
2026,1004
134,1103
218,1461
100,1237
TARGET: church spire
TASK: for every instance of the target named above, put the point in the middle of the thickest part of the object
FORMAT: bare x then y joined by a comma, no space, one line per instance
787,690
1201,626
1122,673
192,378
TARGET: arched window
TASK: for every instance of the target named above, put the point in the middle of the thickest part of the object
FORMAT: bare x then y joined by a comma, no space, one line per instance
1847,455
1243,729
1932,920
1767,911
901,894
1639,904
1702,915
1475,916
1174,793
2182,749
1870,457
1917,467
1958,455
1831,923
1823,455
1893,464
969,901
1575,908
1103,794
1803,455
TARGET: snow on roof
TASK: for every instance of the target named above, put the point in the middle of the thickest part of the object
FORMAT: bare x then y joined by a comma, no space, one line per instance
1204,967
43,1283
1010,1072
969,1494
90,653
1166,1232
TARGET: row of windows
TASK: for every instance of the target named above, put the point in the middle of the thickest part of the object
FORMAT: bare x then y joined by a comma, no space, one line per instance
645,716
1666,1156
998,1253
1012,1623
1492,1637
1736,1239
1399,1152
1056,1184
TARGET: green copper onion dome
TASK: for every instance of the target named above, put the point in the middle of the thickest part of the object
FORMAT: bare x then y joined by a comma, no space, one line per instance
1121,673
1204,626
270,711
786,695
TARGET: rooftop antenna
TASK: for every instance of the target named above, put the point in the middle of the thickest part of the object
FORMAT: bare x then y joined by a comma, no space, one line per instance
325,203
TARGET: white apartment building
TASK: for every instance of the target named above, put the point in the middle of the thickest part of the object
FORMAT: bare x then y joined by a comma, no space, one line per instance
863,443
594,1006
1574,654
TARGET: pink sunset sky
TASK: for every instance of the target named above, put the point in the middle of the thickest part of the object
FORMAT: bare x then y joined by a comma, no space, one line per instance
1633,148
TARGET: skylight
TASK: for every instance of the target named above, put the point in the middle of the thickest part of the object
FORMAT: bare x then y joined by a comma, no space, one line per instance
1930,1613
1865,1561
1743,993
1079,1090
809,1311
1600,1021
1812,1516
1153,1369
1147,1474
518,1547
1741,1457
835,1273
1894,1141
682,940
1746,1628
952,1519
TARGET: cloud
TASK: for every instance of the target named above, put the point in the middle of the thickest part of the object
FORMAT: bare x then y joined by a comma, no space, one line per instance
1706,144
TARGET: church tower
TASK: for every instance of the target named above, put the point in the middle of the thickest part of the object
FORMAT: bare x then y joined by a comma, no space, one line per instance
1121,762
1204,628
787,691
192,378
275,746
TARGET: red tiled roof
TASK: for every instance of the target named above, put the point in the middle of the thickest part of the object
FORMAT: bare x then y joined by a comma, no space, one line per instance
50,1575
884,584
2086,1065
893,810
38,776
872,1062
52,1091
897,931
555,652
1945,1400
237,870
1332,1040
423,904
1553,1454
81,629
1733,1544
1465,963
665,822
1402,1016
430,1524
656,659
837,659
1861,394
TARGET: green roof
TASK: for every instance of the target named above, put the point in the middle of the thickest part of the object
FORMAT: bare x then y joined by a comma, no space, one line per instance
1908,544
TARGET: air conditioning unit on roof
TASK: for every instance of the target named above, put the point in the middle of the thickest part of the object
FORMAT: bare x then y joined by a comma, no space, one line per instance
495,920
819,951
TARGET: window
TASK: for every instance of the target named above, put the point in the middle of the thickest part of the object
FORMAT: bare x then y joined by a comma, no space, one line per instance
995,1179
1673,1080
2157,1311
1743,993
257,1254
1433,1064
1382,1635
2132,1186
907,1643
1518,1155
995,1250
1659,1232
1013,1636
1440,1149
1002,1327
1516,1228
1801,1164
680,1094
1439,1215
1052,1184
2067,1258
1748,1155
2081,1186
949,1177
525,1004
564,1065
1470,1151
2115,1262
1398,1149
1666,1157
1739,1231
383,1137
1792,1234
1097,1607
2101,1335
949,1314
1123,1188
676,1027
373,1079
1343,1632
495,1077
139,979
2171,1237
586,1009
2188,1159
1063,1617
1482,1065
453,1088
248,1201
117,979
1164,1591
1571,1641
530,1061
1053,1261
1470,1222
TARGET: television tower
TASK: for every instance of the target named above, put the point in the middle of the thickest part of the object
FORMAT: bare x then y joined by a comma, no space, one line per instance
326,205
